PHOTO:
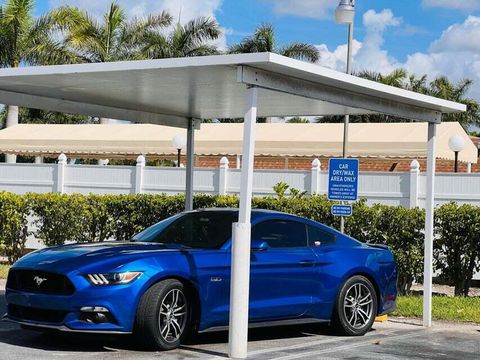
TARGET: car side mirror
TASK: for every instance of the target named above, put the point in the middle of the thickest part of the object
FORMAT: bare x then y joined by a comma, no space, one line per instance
259,245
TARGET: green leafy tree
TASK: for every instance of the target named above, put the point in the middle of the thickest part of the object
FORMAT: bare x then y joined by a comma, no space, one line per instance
264,40
298,120
114,38
26,40
192,39
457,245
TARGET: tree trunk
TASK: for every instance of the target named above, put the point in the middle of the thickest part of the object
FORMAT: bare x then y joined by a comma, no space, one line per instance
12,120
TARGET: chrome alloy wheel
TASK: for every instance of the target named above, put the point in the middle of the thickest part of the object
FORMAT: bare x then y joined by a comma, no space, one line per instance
173,315
358,305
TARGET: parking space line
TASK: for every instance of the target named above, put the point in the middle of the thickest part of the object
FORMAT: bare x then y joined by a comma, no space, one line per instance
342,348
312,343
307,344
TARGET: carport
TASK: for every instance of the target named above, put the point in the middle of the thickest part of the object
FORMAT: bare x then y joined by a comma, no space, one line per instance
180,92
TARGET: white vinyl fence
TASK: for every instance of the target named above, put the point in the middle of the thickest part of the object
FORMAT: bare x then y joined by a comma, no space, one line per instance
405,189
391,188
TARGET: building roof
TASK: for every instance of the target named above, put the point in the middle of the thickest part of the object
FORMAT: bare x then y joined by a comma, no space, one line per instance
169,91
128,141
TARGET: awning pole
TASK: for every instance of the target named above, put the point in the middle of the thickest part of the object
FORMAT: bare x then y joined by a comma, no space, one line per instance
241,231
190,165
429,209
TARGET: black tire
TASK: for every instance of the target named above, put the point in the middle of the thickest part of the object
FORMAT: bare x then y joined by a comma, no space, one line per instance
355,307
158,324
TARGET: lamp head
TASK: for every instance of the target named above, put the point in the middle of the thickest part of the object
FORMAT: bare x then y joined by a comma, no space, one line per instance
345,12
179,142
456,143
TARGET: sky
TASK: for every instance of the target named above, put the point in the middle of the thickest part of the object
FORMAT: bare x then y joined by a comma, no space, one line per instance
433,37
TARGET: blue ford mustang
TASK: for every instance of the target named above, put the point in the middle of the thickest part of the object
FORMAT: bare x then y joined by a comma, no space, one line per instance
173,279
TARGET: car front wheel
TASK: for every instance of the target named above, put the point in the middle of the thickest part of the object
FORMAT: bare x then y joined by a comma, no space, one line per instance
162,316
356,307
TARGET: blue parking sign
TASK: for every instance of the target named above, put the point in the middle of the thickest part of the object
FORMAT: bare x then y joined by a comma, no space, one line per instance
343,179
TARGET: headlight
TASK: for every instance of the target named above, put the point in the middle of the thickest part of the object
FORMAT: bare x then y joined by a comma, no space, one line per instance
113,278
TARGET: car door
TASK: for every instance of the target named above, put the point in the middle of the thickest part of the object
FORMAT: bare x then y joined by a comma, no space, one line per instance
282,276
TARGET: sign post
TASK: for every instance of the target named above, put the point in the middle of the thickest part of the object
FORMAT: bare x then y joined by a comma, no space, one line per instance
342,185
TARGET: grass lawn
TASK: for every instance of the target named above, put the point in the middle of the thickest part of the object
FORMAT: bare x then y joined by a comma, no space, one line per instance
3,271
444,308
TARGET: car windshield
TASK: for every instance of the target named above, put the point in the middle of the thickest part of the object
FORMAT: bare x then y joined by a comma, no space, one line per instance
204,229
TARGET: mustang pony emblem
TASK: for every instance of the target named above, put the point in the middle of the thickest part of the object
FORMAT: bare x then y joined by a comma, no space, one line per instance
38,280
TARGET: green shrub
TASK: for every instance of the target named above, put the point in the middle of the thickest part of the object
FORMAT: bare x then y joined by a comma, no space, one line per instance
457,244
95,218
58,218
13,225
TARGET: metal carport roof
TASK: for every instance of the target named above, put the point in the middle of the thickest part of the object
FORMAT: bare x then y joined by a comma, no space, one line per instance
167,91
174,91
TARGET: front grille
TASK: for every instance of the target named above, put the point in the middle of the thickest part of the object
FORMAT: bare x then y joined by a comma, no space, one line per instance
33,314
39,282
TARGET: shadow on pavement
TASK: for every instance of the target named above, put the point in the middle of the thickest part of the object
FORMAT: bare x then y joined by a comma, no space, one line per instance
12,334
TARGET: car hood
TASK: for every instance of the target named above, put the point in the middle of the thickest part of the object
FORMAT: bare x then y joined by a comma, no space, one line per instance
73,257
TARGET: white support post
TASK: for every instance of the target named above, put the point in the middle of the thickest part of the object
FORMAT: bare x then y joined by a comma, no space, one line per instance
12,120
429,208
414,173
315,179
223,176
469,168
139,174
61,164
189,170
241,232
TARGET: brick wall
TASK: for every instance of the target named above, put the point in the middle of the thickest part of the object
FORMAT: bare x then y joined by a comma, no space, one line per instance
305,163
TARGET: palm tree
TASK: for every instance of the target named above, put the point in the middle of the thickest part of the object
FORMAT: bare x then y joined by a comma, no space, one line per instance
264,40
25,40
443,88
396,78
192,39
116,38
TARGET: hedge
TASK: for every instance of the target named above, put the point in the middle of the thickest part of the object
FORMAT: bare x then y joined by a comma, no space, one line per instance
94,218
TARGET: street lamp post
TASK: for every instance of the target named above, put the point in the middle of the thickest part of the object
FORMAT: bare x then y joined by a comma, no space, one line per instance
179,142
456,143
345,14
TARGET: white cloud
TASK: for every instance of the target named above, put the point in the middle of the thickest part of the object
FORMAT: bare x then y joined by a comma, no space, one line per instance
369,54
453,4
306,8
460,37
453,54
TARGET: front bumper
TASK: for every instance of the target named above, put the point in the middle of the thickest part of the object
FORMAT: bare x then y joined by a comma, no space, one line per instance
62,328
120,300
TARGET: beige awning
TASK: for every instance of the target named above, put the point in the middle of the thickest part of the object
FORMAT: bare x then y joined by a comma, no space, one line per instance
128,141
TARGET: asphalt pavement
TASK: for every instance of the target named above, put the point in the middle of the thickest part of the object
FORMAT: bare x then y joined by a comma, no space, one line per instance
395,339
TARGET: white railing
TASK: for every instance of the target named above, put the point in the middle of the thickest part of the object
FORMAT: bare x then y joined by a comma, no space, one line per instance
405,189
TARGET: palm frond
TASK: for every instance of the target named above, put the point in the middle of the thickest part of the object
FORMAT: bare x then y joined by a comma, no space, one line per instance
301,51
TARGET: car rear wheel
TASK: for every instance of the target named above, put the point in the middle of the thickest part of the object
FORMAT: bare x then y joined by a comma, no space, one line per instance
163,316
356,307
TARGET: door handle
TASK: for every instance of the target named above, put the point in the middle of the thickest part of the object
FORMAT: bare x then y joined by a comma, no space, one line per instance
307,263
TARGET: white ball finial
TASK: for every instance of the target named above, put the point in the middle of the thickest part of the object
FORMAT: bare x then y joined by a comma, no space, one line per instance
316,164
62,158
224,162
414,165
141,160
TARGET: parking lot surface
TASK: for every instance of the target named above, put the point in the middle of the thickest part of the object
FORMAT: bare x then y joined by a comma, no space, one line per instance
395,339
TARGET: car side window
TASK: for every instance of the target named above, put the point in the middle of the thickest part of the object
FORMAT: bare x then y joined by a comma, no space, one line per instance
281,233
318,237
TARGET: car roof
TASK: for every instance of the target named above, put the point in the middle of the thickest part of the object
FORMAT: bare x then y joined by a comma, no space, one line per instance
256,213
